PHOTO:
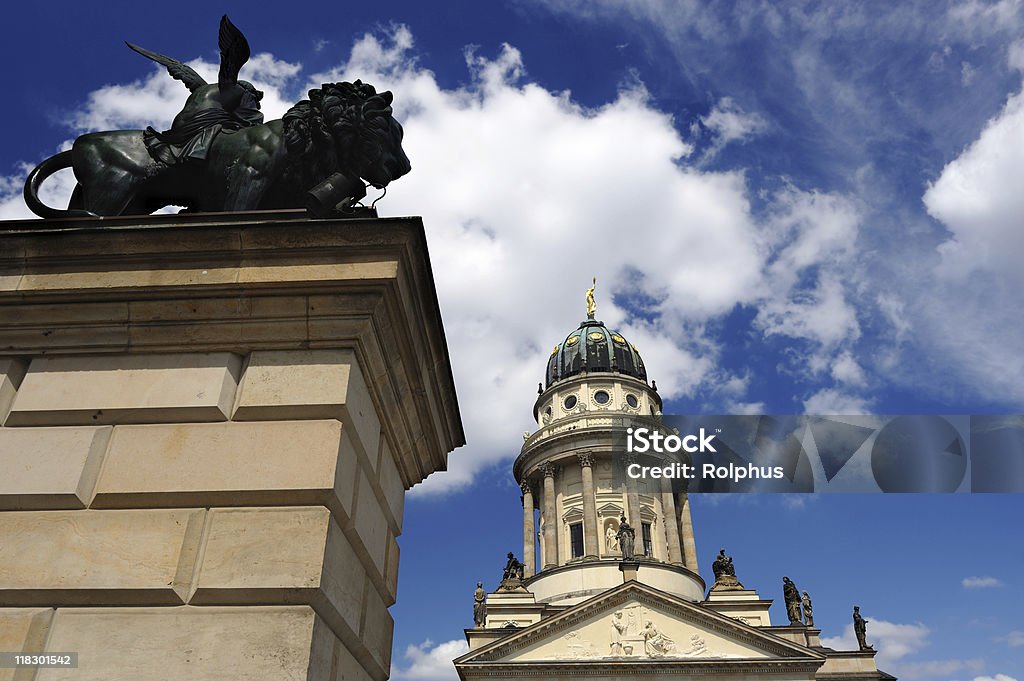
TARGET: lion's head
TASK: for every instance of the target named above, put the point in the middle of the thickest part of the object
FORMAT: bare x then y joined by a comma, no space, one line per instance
347,126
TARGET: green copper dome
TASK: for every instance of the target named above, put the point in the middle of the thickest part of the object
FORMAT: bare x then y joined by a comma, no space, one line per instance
593,347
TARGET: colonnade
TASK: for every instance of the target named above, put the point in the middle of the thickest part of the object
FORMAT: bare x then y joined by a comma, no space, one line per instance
675,520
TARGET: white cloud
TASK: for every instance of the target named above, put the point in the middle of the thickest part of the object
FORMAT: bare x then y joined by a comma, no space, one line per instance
728,122
892,641
832,401
845,369
997,677
1015,55
978,198
1015,639
429,662
932,669
980,582
962,312
936,668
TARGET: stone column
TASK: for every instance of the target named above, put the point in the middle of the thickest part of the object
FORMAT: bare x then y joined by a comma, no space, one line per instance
686,530
550,523
590,526
633,507
668,513
529,535
185,394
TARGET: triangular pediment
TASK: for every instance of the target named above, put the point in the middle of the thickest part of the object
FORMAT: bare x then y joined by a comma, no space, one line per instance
635,623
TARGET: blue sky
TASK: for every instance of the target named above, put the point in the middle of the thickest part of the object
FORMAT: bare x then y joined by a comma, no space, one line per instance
790,207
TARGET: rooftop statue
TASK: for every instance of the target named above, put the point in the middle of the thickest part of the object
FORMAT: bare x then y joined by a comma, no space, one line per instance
219,155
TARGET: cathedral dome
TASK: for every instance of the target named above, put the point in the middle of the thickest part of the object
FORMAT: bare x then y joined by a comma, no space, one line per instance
593,347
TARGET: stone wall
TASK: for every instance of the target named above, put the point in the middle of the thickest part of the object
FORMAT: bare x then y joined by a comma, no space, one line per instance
208,431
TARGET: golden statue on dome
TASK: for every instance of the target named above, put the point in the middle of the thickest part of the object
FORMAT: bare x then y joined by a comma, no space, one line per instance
591,305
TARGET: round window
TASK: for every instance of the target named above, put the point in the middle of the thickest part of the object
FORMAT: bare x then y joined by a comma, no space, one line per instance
570,402
602,397
632,401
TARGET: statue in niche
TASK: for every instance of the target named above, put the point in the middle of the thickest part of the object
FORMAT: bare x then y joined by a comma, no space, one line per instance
611,542
479,605
219,154
725,574
626,538
792,597
808,610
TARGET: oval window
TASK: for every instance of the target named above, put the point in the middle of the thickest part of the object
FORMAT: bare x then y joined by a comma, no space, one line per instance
570,402
602,397
632,401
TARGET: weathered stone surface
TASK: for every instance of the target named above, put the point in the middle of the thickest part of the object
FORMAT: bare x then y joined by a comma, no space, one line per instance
126,389
123,557
23,630
12,371
371,526
282,556
391,570
312,269
212,644
378,629
273,463
310,384
50,468
391,484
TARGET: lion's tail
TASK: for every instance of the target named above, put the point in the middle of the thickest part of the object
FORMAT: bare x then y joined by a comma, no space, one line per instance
35,180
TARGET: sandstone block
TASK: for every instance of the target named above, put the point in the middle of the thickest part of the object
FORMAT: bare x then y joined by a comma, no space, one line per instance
126,389
391,569
23,630
12,371
378,629
282,556
310,384
370,524
50,468
213,644
271,463
97,557
391,485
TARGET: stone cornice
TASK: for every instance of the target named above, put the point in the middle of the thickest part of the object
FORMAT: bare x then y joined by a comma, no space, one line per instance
606,668
239,282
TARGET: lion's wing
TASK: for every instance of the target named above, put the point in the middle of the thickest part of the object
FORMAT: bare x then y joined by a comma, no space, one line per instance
175,68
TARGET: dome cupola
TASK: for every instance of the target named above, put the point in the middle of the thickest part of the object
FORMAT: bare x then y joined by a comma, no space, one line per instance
592,347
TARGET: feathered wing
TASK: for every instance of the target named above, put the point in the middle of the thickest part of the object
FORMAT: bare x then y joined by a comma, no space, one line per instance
234,52
175,68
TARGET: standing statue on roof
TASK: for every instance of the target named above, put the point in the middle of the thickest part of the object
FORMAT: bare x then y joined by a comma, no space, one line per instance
591,305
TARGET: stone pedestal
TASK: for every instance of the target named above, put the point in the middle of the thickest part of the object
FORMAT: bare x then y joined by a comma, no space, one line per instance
741,604
209,425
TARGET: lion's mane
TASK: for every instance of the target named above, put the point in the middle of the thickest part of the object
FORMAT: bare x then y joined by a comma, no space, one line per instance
340,125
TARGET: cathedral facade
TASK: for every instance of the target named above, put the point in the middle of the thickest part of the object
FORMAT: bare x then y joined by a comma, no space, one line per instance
609,584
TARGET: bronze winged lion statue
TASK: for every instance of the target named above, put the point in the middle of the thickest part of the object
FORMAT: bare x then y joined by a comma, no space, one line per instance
219,155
